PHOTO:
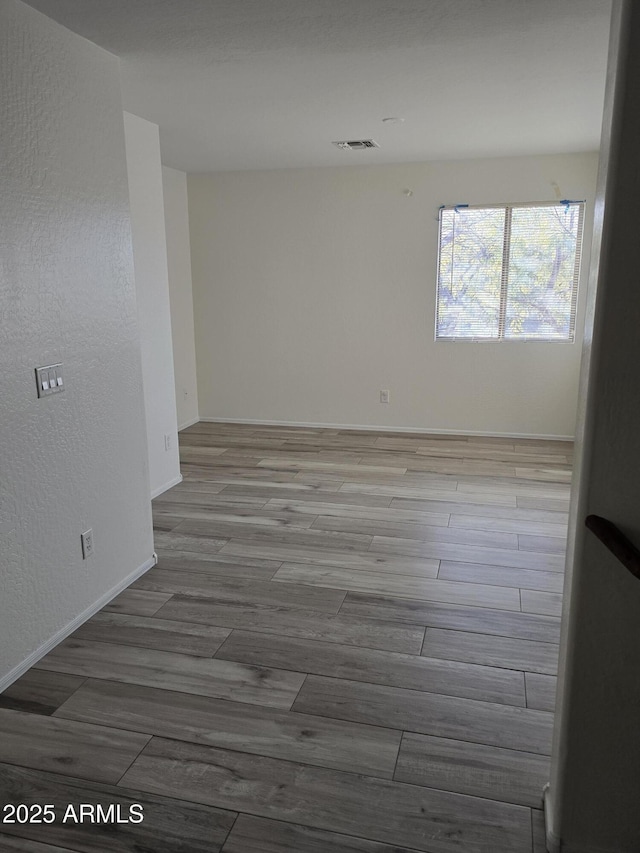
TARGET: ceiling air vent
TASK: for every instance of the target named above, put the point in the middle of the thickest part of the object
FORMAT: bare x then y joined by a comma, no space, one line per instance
357,144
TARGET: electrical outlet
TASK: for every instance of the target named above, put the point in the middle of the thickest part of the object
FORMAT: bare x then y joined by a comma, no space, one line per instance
168,441
87,543
384,396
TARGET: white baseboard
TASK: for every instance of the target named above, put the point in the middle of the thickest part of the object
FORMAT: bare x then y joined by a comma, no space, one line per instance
391,428
166,486
188,424
70,627
554,844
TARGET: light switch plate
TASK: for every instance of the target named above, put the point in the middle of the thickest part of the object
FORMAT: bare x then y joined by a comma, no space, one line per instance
49,380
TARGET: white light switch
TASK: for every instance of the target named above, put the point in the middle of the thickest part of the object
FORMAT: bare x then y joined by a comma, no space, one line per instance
49,380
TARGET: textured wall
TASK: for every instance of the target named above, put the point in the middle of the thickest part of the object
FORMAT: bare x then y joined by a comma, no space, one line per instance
152,294
78,459
314,289
176,215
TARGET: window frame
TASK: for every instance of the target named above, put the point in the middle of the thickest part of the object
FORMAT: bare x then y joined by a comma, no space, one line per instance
508,207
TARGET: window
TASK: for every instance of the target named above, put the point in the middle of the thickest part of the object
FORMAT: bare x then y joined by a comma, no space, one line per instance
509,272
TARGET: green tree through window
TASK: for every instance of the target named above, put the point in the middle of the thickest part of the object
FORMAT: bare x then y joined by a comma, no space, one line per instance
509,272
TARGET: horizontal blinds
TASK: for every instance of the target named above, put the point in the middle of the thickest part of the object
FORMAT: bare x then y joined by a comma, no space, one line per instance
509,272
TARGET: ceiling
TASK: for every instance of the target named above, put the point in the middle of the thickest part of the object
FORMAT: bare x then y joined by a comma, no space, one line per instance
269,84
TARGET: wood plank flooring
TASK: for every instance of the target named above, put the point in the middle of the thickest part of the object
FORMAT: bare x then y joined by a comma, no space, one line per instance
349,645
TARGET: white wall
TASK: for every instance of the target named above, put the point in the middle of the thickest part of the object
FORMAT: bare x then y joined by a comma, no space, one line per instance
314,289
592,805
176,214
152,291
78,459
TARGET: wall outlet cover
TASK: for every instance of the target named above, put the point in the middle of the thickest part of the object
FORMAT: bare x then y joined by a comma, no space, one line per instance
87,543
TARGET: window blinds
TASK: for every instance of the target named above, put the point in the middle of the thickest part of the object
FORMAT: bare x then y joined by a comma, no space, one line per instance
509,272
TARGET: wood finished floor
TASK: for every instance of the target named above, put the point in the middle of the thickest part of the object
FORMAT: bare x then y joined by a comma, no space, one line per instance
349,645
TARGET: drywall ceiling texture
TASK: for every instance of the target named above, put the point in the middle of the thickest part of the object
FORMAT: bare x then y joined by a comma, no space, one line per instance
315,289
78,459
263,84
152,291
176,215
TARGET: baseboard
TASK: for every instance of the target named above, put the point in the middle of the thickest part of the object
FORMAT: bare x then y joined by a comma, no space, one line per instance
554,844
378,428
166,487
188,424
70,627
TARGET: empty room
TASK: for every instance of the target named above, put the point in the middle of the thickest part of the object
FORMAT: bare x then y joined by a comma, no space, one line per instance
319,526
